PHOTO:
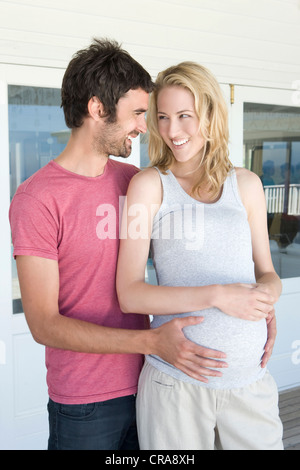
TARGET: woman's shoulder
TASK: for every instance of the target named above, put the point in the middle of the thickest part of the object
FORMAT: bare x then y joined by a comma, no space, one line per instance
147,184
250,186
247,178
147,174
245,173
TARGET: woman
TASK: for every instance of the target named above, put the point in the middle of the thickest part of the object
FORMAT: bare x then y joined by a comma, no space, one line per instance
206,222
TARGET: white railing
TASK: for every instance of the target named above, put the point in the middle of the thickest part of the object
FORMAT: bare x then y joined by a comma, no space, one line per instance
275,196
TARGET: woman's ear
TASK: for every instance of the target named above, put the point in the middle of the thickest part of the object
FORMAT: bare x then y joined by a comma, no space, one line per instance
96,108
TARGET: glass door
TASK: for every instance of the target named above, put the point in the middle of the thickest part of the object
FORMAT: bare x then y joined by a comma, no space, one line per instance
265,134
272,151
37,134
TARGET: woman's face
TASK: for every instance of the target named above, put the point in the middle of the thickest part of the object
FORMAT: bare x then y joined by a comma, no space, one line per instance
178,123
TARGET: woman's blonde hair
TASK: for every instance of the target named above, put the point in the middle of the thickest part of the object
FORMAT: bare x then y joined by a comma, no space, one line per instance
212,112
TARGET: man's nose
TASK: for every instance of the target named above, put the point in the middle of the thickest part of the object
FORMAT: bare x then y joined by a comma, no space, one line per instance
142,125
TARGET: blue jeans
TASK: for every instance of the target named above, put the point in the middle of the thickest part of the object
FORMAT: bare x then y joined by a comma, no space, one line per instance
108,425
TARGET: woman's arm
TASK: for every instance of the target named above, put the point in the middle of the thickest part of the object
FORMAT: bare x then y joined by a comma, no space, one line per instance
135,296
253,198
266,277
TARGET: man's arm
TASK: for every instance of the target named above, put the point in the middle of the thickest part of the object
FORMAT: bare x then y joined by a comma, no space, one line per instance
272,333
39,283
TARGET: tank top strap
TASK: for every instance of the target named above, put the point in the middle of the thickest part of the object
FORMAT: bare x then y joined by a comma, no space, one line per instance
170,188
232,190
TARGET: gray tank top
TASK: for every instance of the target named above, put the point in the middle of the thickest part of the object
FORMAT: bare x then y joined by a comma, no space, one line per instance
198,244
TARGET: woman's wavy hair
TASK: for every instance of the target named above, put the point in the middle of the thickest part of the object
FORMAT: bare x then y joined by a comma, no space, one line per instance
212,112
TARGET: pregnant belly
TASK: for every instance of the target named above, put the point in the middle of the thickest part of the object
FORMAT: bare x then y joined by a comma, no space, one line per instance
242,341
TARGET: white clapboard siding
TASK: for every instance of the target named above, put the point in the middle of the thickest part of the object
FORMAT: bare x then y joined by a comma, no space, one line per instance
251,42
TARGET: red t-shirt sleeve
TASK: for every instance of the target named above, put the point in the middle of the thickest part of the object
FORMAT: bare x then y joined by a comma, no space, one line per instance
34,229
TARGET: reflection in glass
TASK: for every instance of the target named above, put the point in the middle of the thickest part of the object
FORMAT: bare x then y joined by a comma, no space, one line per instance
144,157
37,134
272,151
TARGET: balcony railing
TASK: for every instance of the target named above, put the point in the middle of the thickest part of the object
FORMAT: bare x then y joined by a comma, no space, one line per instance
276,199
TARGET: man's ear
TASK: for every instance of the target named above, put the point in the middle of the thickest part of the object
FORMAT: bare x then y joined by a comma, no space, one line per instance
96,108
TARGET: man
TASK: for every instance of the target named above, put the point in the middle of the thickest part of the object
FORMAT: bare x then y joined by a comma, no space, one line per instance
66,258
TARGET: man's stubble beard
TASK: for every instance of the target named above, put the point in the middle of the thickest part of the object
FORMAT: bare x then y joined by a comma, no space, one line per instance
108,143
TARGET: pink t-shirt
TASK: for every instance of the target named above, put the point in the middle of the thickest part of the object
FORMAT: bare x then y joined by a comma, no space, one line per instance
74,219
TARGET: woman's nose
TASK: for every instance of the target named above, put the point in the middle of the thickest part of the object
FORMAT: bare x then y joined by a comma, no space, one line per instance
173,128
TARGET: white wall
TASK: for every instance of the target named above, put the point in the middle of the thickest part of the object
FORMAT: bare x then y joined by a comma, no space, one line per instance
253,42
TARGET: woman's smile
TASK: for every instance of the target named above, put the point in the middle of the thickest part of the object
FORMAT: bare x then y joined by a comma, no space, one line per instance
178,123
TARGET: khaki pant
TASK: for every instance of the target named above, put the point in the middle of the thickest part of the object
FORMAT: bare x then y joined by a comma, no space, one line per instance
174,415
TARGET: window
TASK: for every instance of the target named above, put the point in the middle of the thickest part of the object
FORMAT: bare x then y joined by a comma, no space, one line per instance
37,134
272,151
144,157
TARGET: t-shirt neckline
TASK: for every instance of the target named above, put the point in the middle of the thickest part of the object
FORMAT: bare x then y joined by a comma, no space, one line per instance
77,175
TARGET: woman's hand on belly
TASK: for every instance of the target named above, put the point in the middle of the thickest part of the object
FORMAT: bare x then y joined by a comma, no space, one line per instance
244,301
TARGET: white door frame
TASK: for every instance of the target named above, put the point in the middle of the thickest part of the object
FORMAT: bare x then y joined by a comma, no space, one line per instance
23,391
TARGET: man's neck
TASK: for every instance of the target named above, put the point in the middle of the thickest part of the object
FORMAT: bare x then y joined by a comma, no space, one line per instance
78,157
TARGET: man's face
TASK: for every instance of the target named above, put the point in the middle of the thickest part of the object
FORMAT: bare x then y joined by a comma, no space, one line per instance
115,138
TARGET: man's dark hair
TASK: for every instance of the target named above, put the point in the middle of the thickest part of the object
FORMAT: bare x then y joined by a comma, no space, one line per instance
103,70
